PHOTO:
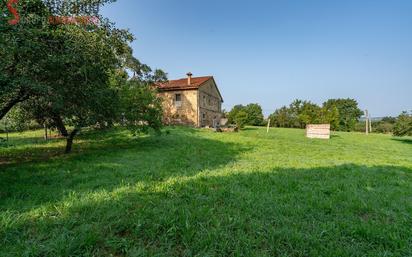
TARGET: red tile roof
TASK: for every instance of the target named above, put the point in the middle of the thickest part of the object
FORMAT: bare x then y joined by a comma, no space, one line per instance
181,84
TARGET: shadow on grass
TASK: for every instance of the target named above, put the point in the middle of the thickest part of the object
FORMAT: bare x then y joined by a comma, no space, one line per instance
327,211
35,149
104,161
403,140
333,135
249,129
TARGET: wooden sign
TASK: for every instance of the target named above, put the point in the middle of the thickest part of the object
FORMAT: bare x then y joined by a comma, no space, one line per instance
321,131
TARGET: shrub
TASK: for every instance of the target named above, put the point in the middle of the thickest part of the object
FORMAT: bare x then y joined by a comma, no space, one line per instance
403,125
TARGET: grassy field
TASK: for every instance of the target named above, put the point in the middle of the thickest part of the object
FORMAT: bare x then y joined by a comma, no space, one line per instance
198,193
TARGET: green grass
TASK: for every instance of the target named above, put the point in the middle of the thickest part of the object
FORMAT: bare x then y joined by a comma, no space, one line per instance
199,193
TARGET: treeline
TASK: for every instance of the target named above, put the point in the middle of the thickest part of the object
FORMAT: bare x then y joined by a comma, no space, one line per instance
341,114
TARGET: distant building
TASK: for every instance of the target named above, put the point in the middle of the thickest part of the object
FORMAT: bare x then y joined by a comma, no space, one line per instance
194,101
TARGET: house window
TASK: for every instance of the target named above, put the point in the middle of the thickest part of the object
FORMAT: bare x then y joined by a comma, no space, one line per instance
204,100
204,116
178,100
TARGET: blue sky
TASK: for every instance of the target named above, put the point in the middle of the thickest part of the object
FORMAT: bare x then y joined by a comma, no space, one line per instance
272,52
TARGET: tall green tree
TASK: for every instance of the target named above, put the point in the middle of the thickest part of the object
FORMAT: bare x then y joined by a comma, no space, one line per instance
309,113
254,114
141,108
281,118
241,119
64,73
349,112
233,113
23,54
330,115
79,93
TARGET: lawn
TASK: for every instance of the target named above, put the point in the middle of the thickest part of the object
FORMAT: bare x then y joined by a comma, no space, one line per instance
198,193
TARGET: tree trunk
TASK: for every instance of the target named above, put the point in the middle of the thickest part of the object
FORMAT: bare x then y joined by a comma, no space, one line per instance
60,125
63,131
69,140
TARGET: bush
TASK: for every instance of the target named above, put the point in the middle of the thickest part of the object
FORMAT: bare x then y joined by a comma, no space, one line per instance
403,125
360,126
382,127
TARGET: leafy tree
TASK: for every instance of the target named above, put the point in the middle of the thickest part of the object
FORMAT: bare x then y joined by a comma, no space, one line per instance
233,113
300,113
68,75
403,125
141,107
159,76
23,55
254,114
241,119
330,115
281,118
349,112
309,113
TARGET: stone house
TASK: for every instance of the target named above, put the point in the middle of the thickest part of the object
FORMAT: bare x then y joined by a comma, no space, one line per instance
194,101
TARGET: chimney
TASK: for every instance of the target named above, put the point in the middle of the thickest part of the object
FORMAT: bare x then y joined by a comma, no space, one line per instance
189,78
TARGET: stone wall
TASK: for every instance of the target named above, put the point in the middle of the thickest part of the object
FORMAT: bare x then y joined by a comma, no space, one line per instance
185,112
210,104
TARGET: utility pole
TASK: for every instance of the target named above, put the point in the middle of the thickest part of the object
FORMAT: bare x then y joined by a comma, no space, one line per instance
367,122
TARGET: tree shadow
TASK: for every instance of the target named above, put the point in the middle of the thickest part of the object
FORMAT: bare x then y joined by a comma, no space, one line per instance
109,161
332,135
327,211
36,149
403,140
249,129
